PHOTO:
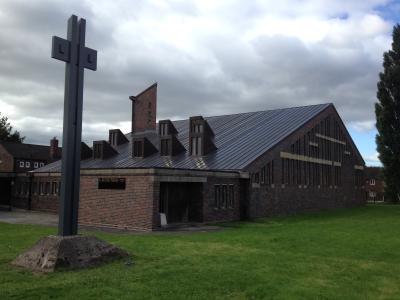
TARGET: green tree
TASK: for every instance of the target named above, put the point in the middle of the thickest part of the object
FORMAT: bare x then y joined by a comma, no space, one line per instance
387,111
6,132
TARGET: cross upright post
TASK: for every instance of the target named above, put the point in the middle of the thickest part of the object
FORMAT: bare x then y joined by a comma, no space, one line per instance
77,57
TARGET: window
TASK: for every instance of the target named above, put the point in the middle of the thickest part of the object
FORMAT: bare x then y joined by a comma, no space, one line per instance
41,188
111,183
54,188
138,148
372,182
256,177
26,191
163,129
36,165
59,188
197,128
270,173
28,164
217,192
165,147
21,164
263,175
224,196
34,188
22,188
114,139
196,146
19,187
231,196
47,188
338,176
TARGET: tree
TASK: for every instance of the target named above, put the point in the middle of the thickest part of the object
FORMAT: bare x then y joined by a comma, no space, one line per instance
6,133
387,111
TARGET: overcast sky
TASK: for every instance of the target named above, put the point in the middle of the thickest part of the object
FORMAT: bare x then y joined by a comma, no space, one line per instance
208,57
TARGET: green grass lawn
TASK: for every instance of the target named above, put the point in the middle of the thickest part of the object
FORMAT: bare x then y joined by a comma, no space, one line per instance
345,254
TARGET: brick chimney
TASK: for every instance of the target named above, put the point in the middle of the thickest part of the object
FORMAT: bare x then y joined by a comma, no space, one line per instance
54,150
144,109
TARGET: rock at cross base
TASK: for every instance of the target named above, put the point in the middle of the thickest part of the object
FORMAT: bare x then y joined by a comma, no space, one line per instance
54,253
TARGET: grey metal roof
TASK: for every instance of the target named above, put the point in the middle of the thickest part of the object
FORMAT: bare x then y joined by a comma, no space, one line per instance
27,151
240,139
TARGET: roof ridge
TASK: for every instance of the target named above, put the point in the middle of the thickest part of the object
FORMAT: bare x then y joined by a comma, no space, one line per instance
25,144
259,111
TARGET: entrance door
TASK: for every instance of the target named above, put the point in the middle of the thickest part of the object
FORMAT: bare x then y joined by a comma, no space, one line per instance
181,202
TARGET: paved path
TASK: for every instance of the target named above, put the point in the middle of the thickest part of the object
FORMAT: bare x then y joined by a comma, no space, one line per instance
20,216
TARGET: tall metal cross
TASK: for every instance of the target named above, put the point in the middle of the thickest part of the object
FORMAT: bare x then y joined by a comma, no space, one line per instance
76,57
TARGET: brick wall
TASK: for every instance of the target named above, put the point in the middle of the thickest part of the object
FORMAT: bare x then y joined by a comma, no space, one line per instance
131,208
210,212
269,200
7,161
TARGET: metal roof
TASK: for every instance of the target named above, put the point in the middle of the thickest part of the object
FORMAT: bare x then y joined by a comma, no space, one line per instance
240,139
27,151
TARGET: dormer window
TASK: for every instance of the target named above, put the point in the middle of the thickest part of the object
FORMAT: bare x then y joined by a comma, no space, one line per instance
116,137
201,137
163,129
113,138
142,147
97,151
138,148
103,150
169,143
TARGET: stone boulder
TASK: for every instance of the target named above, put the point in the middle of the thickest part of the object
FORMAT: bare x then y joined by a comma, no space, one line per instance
53,253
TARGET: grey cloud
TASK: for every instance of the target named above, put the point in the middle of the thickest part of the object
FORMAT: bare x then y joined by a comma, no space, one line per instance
222,75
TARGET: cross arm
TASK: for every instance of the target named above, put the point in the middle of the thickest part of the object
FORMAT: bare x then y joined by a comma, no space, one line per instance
61,50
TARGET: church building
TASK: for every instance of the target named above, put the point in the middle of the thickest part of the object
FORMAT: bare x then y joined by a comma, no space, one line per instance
208,169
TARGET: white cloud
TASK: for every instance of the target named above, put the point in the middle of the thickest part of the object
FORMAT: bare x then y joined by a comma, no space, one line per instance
209,57
372,160
363,126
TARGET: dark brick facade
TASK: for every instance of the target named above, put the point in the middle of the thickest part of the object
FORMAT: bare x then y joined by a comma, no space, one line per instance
137,206
282,199
316,167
